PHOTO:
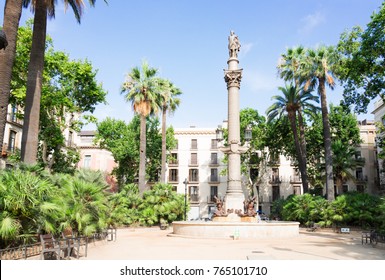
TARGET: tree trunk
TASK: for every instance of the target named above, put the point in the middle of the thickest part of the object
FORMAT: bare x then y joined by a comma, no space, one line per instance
142,157
327,142
30,137
293,123
302,140
12,13
163,160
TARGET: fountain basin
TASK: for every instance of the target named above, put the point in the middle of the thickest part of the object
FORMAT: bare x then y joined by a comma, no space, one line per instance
263,229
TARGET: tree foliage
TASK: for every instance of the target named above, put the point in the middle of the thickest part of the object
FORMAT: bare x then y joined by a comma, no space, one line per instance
362,69
69,89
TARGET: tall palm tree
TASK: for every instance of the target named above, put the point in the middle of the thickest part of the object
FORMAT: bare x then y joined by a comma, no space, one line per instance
291,102
12,14
141,88
317,68
170,101
42,9
288,69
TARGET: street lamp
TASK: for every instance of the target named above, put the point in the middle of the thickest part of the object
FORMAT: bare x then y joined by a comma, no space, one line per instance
248,133
185,199
219,133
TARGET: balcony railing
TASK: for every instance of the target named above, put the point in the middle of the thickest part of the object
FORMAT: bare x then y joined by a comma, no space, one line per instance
14,119
193,179
295,179
274,179
362,178
194,198
173,179
213,179
174,162
193,162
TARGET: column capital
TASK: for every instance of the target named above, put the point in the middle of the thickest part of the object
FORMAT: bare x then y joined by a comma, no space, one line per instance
233,78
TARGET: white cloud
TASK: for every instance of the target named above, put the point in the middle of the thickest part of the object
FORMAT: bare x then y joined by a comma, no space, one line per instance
310,22
245,49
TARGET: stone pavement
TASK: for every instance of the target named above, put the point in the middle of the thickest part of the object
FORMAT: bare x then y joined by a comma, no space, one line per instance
155,244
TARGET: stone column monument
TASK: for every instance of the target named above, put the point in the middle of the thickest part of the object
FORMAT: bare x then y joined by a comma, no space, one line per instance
234,198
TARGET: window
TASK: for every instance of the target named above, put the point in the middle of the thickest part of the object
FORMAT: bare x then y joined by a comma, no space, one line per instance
214,175
12,141
345,188
174,159
254,172
173,175
214,144
70,139
297,190
87,161
275,175
194,144
194,193
213,193
359,174
194,159
214,158
194,175
13,115
276,193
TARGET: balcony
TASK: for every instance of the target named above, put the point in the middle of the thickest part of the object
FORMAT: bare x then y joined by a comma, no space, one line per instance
193,179
174,162
213,179
13,118
295,179
361,178
194,198
274,179
214,162
173,179
193,162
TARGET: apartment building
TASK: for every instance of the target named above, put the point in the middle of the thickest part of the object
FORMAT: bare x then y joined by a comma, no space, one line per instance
198,171
379,117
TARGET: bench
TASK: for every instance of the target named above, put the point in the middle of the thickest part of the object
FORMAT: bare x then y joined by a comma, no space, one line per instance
376,237
74,243
52,247
365,236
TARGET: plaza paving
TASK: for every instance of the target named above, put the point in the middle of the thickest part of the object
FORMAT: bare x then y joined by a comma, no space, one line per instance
155,244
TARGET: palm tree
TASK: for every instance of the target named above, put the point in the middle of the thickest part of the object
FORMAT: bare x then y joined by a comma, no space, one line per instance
42,8
141,88
288,68
170,102
291,102
344,161
12,13
317,68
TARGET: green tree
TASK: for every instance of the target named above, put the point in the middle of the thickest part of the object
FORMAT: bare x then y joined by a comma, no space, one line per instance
290,103
69,89
318,68
345,130
362,69
42,9
142,90
170,102
344,162
12,14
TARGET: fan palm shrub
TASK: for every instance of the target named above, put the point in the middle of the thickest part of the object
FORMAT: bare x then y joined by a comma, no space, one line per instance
28,205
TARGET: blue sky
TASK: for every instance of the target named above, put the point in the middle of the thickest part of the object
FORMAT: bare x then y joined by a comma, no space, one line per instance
187,42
